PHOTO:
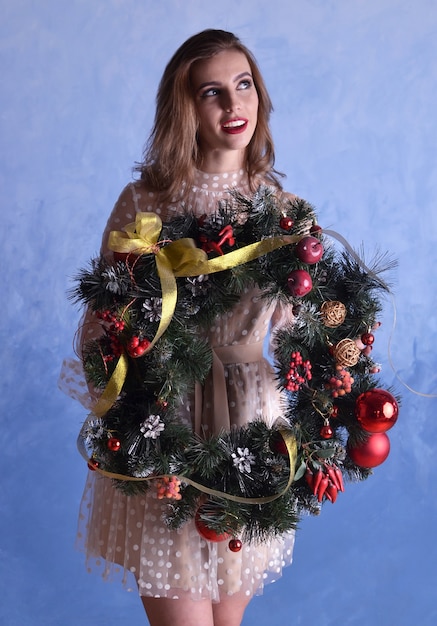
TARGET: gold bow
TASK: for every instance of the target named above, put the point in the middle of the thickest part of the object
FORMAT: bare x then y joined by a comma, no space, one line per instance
179,258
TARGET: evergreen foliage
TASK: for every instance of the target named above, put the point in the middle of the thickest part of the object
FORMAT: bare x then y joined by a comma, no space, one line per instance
250,462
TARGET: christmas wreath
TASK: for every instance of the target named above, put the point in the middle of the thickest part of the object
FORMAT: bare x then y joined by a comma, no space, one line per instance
156,298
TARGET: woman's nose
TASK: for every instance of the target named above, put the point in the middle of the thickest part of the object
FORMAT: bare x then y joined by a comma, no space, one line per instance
231,102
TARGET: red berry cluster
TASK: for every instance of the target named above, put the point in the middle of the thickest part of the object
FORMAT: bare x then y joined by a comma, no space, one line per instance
341,383
168,487
111,321
326,482
113,326
136,347
299,372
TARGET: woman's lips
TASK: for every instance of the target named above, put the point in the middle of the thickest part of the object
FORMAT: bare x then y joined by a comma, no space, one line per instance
233,127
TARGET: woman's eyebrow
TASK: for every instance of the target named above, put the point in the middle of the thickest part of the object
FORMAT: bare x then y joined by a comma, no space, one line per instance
215,83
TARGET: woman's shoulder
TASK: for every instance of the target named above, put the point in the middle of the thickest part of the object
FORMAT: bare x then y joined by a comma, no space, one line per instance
137,196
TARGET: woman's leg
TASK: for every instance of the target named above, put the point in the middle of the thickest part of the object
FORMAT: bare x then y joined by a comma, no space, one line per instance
230,610
181,612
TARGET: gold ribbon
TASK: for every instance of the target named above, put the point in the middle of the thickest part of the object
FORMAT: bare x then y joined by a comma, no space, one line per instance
180,258
291,445
113,388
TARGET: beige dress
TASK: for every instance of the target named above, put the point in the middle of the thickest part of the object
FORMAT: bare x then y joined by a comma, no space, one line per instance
124,536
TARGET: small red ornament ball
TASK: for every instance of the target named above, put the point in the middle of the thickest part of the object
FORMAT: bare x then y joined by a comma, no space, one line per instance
208,533
367,339
376,410
114,444
286,223
93,464
235,545
372,452
326,431
278,445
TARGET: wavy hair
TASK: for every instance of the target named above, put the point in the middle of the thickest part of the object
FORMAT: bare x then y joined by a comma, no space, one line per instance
172,151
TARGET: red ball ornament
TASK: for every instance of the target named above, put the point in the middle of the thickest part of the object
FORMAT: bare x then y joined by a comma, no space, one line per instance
299,283
278,445
376,410
286,223
316,229
372,452
309,250
93,464
235,545
326,431
126,257
367,339
208,533
114,444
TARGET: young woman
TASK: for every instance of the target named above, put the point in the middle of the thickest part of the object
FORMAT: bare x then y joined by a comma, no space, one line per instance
211,134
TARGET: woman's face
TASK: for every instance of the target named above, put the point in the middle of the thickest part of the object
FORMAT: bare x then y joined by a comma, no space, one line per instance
227,106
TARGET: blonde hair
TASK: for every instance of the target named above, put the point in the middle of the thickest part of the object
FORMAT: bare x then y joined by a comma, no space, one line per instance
172,151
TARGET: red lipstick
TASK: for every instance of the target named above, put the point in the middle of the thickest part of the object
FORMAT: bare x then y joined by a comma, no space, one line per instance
235,126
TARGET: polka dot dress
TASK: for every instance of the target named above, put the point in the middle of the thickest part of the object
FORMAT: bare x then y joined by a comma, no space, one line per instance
124,536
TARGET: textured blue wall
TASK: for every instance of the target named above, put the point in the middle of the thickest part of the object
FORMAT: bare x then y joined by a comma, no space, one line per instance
354,86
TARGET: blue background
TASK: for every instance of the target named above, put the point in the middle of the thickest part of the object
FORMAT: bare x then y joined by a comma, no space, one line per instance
354,84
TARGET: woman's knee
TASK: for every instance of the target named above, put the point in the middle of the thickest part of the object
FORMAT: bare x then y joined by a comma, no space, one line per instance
180,612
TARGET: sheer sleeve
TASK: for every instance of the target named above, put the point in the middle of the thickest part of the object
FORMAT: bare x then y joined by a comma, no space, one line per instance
123,213
72,379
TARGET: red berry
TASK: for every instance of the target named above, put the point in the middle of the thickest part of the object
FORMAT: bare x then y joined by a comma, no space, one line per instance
133,342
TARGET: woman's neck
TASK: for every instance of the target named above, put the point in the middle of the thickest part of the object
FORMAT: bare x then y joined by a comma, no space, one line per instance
219,161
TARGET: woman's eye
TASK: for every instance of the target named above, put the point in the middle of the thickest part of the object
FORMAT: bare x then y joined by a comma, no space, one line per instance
213,91
245,84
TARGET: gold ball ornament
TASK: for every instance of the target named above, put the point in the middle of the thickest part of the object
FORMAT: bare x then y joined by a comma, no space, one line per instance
333,313
346,353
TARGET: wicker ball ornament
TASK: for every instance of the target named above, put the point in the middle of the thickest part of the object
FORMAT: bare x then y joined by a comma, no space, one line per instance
346,353
333,313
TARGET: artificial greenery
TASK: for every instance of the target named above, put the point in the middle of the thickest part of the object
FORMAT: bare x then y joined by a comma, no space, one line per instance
142,437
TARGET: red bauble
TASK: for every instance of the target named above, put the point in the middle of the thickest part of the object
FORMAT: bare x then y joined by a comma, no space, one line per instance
315,229
286,223
372,452
208,533
126,257
326,431
309,250
93,464
235,545
299,283
114,444
376,410
367,339
278,445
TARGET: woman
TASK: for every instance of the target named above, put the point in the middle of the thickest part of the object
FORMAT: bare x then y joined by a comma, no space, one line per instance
210,135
